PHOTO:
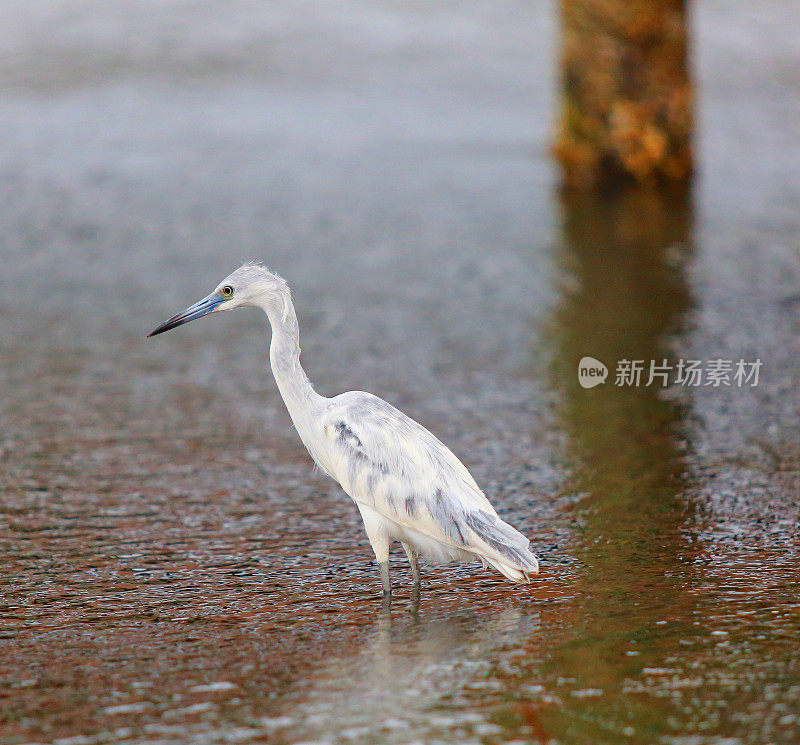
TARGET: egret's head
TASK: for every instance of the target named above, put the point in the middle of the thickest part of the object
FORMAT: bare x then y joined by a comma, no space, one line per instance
251,284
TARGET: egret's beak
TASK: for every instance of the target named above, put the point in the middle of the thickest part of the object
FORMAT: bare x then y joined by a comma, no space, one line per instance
207,305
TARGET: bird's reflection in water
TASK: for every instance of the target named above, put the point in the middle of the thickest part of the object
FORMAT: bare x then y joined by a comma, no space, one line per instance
426,661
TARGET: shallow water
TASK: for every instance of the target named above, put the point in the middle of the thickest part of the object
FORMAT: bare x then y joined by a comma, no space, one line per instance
174,572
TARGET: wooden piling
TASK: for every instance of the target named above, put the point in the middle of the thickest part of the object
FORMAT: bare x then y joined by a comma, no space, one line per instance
626,93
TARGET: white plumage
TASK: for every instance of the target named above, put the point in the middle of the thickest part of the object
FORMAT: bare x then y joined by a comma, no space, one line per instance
407,485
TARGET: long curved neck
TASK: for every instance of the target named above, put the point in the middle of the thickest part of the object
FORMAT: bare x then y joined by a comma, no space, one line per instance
302,401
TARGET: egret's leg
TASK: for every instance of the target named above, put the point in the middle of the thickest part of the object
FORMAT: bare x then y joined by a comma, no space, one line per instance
415,593
413,559
375,526
387,585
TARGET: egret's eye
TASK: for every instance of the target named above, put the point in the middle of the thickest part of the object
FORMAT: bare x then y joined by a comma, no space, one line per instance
227,291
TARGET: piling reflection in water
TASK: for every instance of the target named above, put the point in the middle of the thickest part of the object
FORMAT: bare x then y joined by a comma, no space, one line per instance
666,631
624,296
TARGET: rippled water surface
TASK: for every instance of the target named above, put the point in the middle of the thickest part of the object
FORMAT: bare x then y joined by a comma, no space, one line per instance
172,569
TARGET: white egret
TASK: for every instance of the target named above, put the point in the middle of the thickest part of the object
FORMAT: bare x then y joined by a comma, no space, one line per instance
407,485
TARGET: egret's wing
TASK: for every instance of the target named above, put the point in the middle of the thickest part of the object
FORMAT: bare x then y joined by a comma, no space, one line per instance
369,434
388,461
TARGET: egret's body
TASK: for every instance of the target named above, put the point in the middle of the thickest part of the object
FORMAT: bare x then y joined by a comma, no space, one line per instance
407,485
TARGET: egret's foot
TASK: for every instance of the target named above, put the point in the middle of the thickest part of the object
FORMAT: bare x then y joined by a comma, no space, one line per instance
387,585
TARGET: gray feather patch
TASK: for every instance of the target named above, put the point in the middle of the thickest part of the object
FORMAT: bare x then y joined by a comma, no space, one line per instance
501,537
443,516
412,505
